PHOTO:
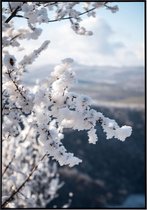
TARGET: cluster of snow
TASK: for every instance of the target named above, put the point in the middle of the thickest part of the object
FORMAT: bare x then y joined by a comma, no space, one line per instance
57,108
29,59
54,107
21,153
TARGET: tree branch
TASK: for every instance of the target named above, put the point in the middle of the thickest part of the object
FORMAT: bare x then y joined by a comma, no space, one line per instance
22,185
67,18
17,88
13,14
82,13
54,20
10,6
8,165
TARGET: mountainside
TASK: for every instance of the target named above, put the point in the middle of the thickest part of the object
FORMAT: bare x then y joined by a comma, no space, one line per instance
112,171
121,86
117,85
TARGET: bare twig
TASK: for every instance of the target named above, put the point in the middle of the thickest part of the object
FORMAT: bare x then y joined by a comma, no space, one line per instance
21,16
13,14
15,37
10,6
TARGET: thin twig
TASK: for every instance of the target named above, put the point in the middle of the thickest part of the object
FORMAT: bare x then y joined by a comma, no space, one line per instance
54,20
67,18
8,165
12,14
11,108
17,88
10,6
82,13
22,185
14,37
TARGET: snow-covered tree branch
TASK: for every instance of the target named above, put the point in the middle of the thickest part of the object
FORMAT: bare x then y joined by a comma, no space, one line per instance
34,119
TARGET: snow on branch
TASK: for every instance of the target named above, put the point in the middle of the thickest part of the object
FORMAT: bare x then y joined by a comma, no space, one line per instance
59,108
29,59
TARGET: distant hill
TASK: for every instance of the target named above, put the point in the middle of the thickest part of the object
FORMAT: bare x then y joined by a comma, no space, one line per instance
120,86
112,171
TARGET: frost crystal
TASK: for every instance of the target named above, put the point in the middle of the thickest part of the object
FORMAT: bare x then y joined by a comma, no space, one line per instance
58,108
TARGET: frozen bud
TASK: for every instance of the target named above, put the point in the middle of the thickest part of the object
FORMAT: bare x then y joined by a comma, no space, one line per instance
9,61
114,9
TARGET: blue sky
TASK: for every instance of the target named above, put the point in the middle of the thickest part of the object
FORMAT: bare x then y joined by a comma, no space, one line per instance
118,38
130,18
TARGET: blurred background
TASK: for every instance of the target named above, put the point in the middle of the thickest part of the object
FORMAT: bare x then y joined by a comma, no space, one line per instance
110,68
112,173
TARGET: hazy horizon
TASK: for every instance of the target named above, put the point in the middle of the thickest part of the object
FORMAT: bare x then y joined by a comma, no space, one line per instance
120,86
